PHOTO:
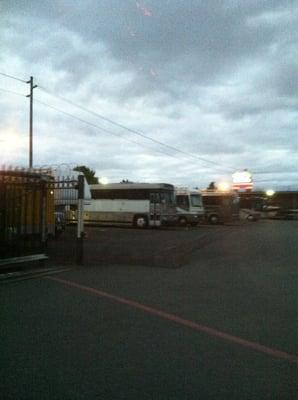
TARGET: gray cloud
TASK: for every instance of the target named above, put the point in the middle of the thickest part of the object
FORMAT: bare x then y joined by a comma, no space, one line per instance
214,78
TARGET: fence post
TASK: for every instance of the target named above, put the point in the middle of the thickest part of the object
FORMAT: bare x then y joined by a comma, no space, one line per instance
43,232
80,223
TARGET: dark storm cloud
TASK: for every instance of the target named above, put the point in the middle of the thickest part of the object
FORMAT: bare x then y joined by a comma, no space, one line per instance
193,41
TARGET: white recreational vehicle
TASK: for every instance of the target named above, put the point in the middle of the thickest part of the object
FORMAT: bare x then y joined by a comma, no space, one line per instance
137,204
190,208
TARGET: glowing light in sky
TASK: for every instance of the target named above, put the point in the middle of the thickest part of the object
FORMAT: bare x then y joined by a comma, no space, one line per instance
131,32
242,177
11,145
103,180
145,11
153,73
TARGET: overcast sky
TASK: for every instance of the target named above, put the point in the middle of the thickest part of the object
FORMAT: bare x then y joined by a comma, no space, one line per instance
216,80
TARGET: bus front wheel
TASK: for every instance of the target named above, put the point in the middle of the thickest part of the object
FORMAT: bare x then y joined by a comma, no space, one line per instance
213,219
140,221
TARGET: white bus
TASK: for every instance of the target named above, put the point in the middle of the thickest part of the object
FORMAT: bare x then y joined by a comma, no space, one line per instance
190,208
137,204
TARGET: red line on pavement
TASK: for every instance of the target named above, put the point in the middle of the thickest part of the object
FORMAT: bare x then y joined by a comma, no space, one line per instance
190,324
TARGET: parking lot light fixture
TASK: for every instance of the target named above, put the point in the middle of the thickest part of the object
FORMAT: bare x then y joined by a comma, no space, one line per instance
103,180
224,186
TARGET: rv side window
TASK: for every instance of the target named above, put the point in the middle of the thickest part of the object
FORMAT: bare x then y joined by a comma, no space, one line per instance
196,200
226,201
182,202
211,201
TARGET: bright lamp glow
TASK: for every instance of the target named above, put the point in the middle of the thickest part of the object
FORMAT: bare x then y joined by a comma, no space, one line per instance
242,177
270,192
103,180
11,144
223,186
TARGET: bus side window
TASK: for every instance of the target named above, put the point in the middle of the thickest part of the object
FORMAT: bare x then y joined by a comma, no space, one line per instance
154,198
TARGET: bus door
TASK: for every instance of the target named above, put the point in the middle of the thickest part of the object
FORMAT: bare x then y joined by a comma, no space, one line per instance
155,210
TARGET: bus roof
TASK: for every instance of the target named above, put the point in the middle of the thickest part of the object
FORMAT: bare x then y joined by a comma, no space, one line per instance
132,186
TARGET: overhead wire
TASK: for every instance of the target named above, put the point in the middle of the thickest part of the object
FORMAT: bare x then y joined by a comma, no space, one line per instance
12,92
100,128
13,77
111,122
94,125
138,133
141,144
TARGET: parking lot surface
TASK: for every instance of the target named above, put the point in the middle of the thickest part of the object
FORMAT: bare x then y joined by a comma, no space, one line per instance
222,326
170,247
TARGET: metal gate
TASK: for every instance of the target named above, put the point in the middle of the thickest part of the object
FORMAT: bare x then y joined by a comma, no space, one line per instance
67,248
36,216
26,212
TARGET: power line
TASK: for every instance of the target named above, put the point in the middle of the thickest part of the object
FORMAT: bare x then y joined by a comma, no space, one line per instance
13,77
172,148
108,131
133,131
99,127
31,110
12,92
111,122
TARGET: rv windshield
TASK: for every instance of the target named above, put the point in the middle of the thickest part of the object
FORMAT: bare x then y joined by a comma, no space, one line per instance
196,200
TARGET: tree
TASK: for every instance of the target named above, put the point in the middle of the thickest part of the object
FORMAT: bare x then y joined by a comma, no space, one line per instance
89,174
212,186
126,181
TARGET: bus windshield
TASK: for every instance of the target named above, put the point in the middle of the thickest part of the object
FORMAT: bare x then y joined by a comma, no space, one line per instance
196,200
168,196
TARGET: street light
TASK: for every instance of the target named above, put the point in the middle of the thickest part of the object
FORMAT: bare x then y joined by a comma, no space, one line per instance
103,180
224,186
270,192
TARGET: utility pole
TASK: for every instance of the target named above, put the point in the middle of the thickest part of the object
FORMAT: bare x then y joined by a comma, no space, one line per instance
31,121
80,226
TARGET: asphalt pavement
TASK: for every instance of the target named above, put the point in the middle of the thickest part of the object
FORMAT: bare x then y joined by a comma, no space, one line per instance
223,326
